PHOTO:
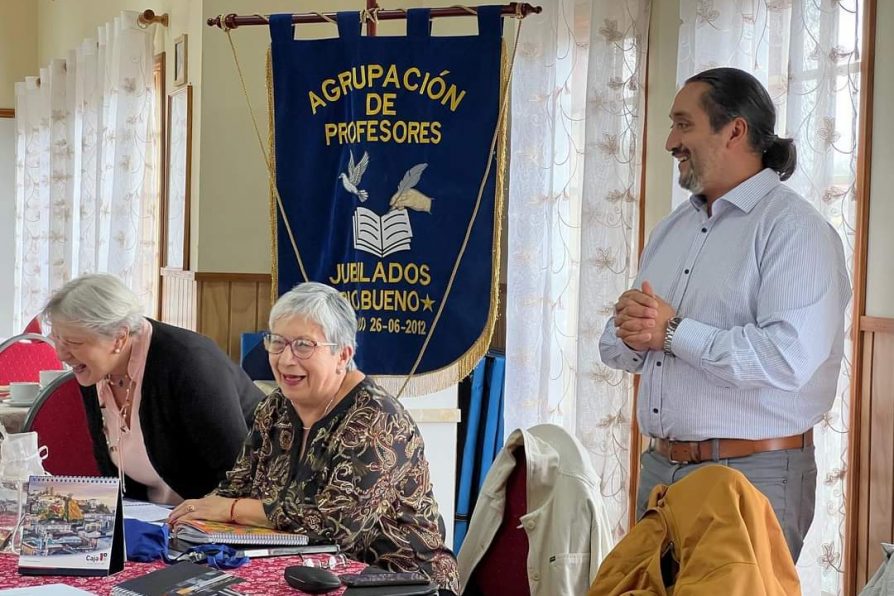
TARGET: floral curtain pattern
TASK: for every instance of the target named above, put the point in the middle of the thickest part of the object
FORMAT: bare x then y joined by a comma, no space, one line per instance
578,106
87,169
806,53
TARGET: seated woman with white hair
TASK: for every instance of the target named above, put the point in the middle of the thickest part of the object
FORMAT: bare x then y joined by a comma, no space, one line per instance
167,409
331,454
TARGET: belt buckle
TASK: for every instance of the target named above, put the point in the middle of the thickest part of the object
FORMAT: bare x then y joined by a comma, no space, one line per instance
681,453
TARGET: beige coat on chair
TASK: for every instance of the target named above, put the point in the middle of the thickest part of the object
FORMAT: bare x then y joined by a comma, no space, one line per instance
566,526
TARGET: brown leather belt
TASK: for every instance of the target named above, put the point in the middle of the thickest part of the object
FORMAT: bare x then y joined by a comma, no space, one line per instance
693,452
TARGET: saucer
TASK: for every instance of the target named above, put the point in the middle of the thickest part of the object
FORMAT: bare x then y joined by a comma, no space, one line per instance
19,404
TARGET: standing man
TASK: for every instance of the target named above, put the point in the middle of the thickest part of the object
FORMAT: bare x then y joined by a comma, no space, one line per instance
736,320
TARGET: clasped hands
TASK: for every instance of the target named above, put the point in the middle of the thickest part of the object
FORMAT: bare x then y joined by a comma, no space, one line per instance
641,318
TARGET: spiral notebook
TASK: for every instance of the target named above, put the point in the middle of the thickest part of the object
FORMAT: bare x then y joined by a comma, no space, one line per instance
223,533
72,526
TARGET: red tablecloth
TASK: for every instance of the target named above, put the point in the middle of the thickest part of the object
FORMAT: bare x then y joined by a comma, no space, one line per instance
262,576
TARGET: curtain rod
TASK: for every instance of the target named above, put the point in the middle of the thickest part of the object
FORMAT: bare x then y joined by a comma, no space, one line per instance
148,16
231,21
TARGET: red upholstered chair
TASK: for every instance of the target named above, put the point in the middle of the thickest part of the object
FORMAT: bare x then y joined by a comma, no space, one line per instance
22,357
504,567
34,326
59,418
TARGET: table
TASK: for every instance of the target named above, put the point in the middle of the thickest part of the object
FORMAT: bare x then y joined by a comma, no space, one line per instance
13,417
262,576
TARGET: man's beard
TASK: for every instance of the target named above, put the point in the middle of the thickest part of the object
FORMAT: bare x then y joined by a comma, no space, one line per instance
691,180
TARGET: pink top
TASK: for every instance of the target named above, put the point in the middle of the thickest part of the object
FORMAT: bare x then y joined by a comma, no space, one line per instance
130,455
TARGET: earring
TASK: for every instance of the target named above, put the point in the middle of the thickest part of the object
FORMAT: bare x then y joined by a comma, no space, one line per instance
340,371
117,350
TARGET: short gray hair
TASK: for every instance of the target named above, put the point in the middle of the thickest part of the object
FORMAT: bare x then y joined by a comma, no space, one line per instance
98,302
325,306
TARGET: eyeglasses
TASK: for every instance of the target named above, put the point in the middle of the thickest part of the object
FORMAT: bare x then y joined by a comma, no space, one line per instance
301,348
68,344
323,562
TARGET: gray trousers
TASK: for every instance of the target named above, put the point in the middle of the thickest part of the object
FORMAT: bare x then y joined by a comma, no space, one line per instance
787,478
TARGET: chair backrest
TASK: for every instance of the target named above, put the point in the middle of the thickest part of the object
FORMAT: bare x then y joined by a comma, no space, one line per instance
59,418
254,359
34,326
22,357
504,567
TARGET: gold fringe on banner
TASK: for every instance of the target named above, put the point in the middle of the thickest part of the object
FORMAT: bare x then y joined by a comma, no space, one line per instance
271,180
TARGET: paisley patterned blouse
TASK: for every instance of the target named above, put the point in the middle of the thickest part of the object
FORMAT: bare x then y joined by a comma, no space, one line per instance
363,481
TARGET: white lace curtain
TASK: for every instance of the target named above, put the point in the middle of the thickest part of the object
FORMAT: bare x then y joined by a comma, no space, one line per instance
86,168
578,97
807,53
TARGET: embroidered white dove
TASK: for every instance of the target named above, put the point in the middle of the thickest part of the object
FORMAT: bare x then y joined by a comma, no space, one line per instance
351,180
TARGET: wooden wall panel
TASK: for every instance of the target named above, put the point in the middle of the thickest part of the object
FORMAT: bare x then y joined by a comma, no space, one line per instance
215,308
265,303
178,294
874,501
860,543
243,312
881,460
221,306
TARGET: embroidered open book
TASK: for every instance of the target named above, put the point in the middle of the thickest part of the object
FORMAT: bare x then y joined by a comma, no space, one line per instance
382,235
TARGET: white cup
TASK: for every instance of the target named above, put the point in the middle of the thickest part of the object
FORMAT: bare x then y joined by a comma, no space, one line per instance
23,393
48,376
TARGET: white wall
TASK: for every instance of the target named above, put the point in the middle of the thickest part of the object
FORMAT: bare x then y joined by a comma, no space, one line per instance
18,46
437,416
64,24
664,29
880,273
18,57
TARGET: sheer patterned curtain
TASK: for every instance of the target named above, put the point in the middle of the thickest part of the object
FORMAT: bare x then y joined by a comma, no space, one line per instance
578,103
86,168
807,54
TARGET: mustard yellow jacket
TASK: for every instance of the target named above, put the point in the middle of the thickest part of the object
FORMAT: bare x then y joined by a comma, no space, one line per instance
710,533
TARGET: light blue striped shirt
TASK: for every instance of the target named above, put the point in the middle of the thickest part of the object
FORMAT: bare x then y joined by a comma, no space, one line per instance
762,286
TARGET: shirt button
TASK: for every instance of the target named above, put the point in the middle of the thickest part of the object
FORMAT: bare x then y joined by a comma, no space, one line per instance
535,576
654,410
530,524
636,359
658,364
686,271
704,230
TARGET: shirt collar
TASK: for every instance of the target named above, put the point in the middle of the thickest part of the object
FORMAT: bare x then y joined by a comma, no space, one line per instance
747,194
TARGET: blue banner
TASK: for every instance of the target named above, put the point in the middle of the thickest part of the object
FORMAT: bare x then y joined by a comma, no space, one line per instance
382,145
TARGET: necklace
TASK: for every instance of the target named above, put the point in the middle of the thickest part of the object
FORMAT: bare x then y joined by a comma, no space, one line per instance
120,382
123,411
123,416
325,411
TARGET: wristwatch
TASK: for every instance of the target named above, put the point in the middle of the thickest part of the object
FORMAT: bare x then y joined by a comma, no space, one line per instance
669,334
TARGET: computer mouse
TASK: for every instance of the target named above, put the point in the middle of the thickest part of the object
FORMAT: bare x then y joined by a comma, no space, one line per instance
311,579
